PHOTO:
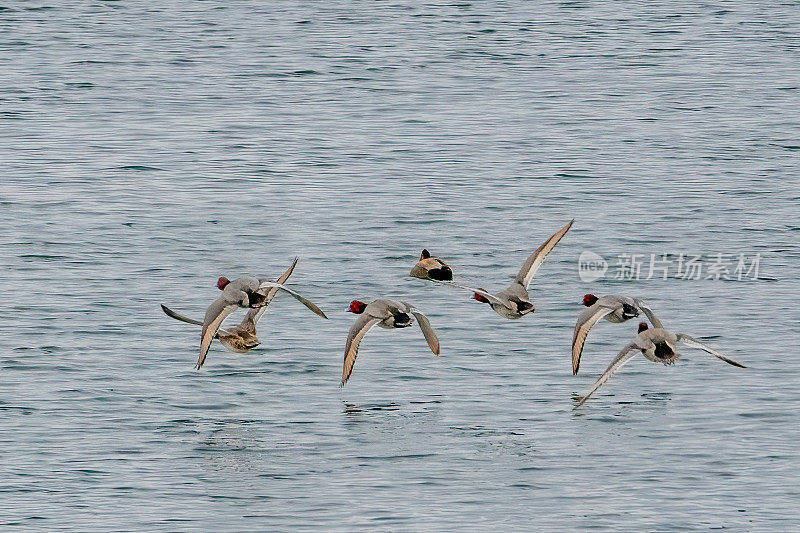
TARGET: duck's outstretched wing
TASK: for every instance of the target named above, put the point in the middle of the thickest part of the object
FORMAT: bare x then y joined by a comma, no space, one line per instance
623,357
217,312
536,259
651,316
586,320
357,332
694,343
427,330
177,316
304,301
254,315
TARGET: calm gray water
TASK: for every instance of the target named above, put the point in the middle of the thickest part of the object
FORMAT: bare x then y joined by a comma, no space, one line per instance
147,148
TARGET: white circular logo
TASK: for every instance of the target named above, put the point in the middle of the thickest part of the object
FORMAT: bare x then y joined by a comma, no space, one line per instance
591,266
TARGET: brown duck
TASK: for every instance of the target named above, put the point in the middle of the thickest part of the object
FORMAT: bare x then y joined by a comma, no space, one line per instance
432,268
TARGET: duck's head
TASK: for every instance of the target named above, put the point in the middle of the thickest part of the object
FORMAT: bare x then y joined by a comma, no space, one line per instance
589,300
480,297
222,283
643,326
357,307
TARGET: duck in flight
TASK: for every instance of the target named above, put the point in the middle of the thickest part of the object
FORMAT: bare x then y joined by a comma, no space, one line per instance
241,338
246,292
388,314
515,302
614,309
657,345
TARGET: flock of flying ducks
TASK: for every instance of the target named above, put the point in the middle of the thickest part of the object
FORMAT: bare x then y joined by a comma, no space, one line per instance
655,343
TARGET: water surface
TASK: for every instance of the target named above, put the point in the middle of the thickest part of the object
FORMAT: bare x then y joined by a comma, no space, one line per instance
148,148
